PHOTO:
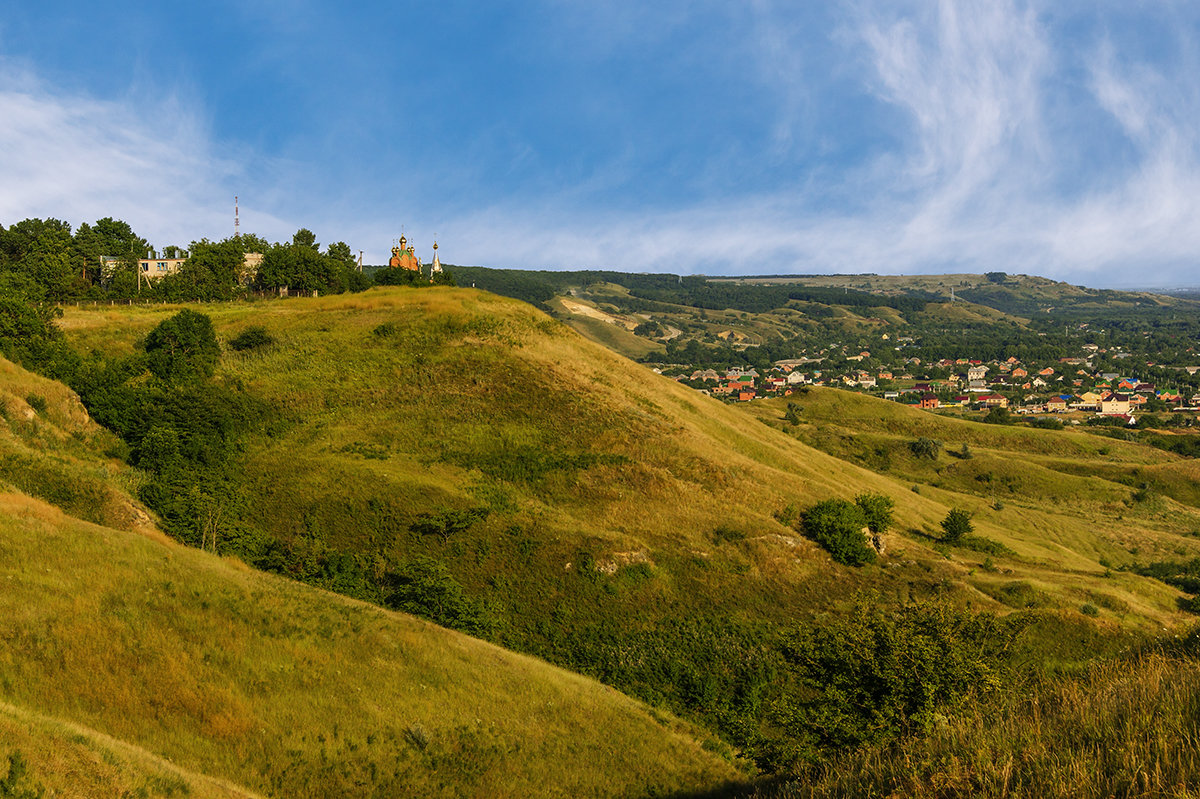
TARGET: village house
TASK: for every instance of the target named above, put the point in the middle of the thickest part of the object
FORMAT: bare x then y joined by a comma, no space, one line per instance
930,402
1115,405
993,401
977,373
1057,404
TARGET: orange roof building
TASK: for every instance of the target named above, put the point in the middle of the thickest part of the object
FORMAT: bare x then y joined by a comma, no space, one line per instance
403,257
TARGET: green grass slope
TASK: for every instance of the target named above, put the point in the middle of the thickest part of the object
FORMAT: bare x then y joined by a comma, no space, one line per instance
51,449
471,459
400,403
1066,504
286,690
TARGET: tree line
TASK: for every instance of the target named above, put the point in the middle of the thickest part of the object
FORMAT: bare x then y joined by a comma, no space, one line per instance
44,260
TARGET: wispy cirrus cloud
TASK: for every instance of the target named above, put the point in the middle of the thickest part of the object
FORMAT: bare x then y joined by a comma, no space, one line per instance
912,138
985,171
77,158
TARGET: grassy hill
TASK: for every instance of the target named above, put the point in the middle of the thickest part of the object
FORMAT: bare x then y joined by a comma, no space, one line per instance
1064,504
133,665
468,458
396,404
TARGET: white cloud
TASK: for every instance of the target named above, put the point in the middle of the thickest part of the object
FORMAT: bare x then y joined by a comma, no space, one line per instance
978,175
974,184
78,158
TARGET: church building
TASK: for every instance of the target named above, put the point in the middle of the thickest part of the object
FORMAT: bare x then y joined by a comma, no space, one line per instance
403,257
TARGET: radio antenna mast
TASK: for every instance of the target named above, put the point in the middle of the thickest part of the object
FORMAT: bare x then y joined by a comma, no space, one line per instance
236,226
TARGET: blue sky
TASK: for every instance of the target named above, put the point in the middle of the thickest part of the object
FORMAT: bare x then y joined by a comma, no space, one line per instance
1056,138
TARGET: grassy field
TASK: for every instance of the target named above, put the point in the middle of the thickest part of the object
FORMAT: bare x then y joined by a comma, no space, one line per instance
287,690
475,400
68,760
632,528
51,449
1069,506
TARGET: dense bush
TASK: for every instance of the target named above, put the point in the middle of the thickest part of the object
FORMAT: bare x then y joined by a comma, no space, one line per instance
251,338
1183,575
183,347
998,415
838,525
425,586
882,672
877,509
28,333
926,448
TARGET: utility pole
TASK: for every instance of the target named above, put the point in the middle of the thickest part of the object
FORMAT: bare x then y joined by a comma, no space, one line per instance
236,229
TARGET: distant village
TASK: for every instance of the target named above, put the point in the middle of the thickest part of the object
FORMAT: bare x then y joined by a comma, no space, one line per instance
1068,385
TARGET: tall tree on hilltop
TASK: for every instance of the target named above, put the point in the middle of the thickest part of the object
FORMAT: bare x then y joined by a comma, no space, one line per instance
306,238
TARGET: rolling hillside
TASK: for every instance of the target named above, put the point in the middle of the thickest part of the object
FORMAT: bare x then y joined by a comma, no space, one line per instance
469,400
465,457
137,666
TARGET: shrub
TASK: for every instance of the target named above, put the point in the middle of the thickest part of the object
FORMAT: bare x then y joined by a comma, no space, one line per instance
978,543
725,534
792,416
37,402
837,525
183,347
956,525
252,338
1046,423
416,735
1090,610
998,415
447,522
926,448
881,672
877,509
384,330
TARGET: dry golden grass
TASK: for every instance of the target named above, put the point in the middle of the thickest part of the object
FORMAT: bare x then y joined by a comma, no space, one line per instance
71,761
469,375
295,692
55,451
1128,728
